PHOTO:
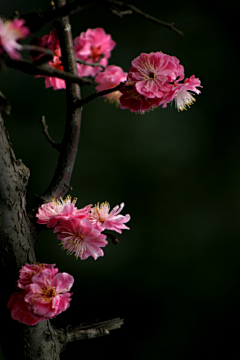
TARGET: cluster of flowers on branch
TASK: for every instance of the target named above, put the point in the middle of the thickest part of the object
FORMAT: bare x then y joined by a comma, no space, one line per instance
43,293
153,80
81,230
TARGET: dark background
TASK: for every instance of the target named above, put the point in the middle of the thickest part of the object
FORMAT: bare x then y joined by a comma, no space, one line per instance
174,275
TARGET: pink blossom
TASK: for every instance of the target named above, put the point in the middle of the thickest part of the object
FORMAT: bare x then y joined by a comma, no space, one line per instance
51,81
183,96
132,100
103,220
48,296
80,238
10,32
151,73
110,78
19,310
57,210
91,45
29,270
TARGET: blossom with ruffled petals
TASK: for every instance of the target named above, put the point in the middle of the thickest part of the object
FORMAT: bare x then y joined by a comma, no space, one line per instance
48,296
56,210
10,32
110,78
103,220
19,310
90,46
79,237
150,72
27,271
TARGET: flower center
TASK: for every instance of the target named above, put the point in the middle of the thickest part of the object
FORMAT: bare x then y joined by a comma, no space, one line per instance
48,293
151,75
95,52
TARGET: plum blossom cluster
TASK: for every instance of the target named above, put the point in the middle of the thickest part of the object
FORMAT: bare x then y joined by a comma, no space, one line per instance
92,47
43,293
155,80
81,230
10,32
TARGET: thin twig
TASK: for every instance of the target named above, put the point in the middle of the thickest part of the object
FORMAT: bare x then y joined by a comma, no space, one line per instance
36,20
36,48
91,97
121,13
146,16
45,131
97,64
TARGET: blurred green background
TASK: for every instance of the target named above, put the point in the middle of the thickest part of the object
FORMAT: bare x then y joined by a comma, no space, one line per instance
174,275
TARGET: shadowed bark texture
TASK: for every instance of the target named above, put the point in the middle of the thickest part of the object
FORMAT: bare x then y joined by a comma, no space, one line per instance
17,237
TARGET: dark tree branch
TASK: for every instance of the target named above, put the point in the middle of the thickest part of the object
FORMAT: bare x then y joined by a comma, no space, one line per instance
36,48
36,20
61,179
46,70
88,331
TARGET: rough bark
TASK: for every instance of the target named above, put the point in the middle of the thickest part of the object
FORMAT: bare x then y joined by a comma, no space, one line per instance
17,237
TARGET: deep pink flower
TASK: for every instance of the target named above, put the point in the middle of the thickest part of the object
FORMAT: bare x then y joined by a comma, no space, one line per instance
79,237
10,32
132,100
110,78
54,82
20,311
48,296
91,45
103,220
151,73
57,210
29,270
50,42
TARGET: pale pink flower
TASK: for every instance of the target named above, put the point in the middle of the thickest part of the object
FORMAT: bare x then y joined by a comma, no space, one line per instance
10,32
57,210
183,96
19,310
151,73
110,78
91,45
132,100
103,220
48,296
79,237
29,270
